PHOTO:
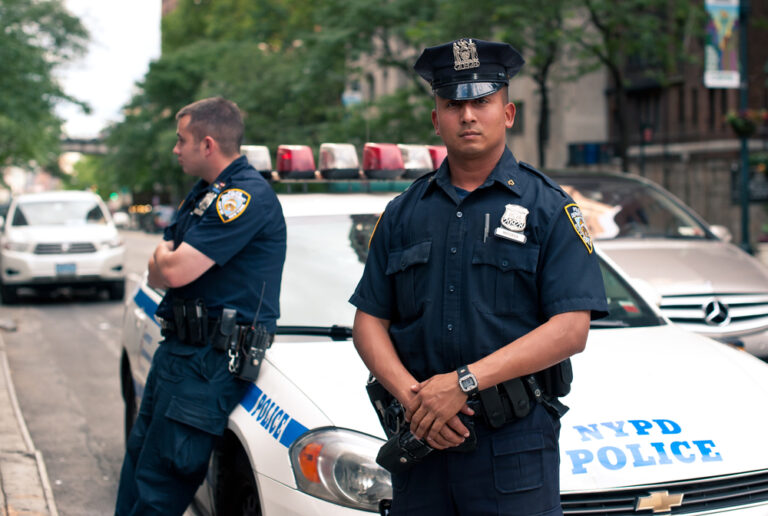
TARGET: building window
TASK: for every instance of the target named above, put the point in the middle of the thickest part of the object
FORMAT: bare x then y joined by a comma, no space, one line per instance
681,107
695,107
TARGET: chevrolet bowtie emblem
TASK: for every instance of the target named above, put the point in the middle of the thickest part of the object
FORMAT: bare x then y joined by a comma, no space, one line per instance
659,501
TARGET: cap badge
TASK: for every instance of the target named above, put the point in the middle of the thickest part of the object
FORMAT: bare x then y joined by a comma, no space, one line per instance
465,55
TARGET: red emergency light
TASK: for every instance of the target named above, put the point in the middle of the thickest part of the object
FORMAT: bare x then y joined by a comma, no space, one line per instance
295,162
438,154
382,161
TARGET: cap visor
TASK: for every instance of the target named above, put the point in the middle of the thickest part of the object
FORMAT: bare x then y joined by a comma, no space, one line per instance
468,90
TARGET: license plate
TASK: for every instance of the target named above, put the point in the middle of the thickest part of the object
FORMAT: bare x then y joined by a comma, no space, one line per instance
65,269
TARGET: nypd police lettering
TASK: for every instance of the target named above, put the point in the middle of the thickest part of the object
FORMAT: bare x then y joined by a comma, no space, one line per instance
661,451
276,421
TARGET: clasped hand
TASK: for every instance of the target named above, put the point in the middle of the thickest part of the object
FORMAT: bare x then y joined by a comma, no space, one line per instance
433,411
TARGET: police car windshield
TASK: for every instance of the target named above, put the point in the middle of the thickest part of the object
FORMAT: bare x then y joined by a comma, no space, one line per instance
324,262
625,208
57,213
625,307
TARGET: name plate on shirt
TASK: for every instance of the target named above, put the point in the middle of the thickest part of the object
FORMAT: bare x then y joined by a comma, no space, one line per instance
510,235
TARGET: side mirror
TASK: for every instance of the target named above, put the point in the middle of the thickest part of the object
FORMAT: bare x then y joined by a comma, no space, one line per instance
2,223
722,232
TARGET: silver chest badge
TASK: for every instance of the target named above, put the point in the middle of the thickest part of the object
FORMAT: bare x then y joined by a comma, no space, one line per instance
204,203
513,221
465,55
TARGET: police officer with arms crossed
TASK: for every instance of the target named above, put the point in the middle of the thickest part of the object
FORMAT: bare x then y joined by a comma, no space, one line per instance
481,273
224,251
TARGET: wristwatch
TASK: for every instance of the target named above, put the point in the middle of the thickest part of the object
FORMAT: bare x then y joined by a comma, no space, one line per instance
467,381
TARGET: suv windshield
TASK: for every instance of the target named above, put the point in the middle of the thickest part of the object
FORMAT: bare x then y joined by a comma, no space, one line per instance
625,208
325,259
58,213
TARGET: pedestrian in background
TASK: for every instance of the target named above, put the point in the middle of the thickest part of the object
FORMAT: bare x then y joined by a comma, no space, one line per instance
480,282
225,250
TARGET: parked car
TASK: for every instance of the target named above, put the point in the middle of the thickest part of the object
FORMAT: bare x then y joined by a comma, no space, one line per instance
650,428
60,239
706,284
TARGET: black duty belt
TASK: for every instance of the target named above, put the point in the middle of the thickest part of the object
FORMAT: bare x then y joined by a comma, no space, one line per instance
513,400
214,324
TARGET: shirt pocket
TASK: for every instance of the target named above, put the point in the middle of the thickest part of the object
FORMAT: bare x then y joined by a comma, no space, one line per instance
503,277
407,268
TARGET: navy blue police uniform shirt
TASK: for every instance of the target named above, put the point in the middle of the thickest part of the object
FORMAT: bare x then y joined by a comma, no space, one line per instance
242,229
454,294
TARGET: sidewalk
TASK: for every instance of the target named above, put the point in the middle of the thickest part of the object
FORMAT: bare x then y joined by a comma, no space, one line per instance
24,486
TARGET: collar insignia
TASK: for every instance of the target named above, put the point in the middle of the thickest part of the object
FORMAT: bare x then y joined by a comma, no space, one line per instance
579,225
659,501
465,55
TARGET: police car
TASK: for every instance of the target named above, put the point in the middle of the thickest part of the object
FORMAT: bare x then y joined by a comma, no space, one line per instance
662,420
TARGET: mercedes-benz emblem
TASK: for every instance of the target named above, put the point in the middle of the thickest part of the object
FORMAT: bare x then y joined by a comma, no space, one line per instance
716,313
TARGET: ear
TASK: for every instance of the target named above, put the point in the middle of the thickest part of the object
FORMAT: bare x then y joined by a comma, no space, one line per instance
209,145
509,115
434,122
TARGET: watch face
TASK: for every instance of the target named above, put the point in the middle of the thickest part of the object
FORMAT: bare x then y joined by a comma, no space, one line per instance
468,383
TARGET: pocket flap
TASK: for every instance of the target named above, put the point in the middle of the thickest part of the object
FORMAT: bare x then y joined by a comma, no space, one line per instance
506,255
192,414
518,443
404,258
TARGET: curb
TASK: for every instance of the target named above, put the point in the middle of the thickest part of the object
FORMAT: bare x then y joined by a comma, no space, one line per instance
24,485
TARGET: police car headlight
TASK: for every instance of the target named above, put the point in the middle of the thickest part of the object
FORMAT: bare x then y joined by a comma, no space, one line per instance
340,466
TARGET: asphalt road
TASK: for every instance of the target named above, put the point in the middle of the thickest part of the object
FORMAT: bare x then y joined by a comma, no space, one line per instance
64,359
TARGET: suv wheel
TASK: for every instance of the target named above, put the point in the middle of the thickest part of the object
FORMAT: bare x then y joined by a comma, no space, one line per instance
117,290
8,294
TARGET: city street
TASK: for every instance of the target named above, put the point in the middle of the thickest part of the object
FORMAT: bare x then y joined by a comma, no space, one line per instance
64,358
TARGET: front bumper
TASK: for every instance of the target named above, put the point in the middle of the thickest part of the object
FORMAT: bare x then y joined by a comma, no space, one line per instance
60,269
280,500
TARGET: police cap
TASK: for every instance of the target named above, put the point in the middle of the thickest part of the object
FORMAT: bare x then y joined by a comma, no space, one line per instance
467,68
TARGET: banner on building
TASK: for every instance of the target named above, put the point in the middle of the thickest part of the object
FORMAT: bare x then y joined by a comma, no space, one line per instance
721,63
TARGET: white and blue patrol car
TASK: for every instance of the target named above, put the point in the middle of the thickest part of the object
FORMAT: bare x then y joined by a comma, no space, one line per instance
662,421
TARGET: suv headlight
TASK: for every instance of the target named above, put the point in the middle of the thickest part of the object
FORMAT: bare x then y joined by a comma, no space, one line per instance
340,466
112,243
17,246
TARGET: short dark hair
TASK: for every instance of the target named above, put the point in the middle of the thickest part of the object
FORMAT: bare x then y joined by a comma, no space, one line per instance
218,118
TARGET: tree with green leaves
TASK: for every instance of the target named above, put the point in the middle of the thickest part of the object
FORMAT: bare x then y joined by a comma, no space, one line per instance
654,34
36,36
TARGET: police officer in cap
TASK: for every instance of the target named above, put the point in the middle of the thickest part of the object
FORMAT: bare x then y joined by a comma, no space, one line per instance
480,282
224,252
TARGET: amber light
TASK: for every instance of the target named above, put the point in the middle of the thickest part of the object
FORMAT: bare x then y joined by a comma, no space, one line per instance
308,461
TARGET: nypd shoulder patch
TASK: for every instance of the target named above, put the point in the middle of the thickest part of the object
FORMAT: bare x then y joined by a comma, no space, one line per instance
231,204
579,225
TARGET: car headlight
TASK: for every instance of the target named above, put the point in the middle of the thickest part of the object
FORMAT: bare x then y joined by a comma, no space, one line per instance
112,243
340,466
17,246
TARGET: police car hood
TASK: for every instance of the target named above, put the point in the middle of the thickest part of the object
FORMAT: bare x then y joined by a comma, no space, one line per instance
652,405
677,267
62,233
333,377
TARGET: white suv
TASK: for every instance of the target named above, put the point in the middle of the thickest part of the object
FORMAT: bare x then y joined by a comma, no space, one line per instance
58,239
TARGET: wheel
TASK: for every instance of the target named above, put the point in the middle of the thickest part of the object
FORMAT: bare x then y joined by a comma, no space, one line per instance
8,294
117,290
129,399
236,490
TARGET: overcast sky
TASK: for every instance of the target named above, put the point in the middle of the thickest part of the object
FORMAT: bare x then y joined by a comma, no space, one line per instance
125,37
